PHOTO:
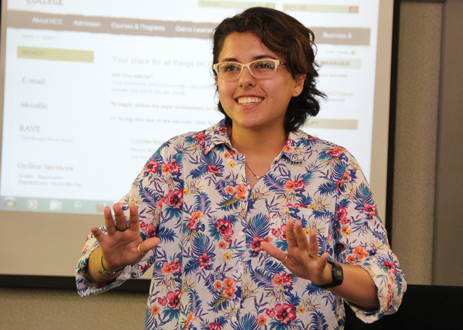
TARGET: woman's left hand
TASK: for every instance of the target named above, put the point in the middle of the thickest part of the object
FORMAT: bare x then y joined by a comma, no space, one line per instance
302,257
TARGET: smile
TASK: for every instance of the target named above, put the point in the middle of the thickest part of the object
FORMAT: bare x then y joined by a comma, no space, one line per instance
249,100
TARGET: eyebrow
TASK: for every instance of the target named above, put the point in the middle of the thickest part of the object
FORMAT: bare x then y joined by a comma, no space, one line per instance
255,58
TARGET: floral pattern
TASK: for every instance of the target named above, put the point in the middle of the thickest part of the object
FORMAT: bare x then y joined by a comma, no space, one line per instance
210,272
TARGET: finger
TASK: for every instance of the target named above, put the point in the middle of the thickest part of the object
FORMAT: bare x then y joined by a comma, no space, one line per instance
301,237
274,251
121,221
108,221
148,244
290,237
313,243
98,234
134,220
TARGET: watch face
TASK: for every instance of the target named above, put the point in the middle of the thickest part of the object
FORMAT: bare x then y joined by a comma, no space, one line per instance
338,272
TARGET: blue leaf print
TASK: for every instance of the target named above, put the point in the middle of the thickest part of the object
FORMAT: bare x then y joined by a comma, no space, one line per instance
219,303
201,244
258,226
282,244
273,266
312,289
191,266
202,202
318,321
294,299
198,172
148,195
327,188
229,203
195,302
262,278
166,234
338,170
172,313
248,322
274,184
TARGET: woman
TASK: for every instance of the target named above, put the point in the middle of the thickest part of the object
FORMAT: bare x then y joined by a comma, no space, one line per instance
250,221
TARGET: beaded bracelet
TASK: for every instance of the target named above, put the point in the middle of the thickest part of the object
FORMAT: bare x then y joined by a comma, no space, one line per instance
104,271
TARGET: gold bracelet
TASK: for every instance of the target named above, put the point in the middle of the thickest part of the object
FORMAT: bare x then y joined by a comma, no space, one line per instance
104,271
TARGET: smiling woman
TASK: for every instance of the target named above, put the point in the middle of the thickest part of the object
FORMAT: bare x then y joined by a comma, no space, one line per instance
249,222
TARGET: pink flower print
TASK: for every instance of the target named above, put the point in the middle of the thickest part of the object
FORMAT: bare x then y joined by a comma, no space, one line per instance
285,313
283,232
287,147
193,221
170,167
149,229
200,138
228,293
222,130
213,169
162,301
151,167
335,152
176,268
287,279
389,265
289,185
299,184
225,229
370,209
276,232
270,313
204,260
214,326
277,280
256,243
173,299
167,268
341,214
175,198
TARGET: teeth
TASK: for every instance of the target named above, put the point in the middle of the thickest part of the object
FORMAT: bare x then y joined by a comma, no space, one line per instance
249,100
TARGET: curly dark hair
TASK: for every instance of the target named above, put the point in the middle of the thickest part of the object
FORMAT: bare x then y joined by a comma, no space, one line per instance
285,35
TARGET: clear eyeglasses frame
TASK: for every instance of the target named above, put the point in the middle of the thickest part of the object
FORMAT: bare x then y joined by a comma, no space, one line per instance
260,69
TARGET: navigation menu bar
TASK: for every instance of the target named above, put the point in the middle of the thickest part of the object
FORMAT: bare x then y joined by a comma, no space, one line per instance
169,29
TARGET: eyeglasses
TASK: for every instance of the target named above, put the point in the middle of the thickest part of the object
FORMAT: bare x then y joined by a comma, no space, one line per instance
260,69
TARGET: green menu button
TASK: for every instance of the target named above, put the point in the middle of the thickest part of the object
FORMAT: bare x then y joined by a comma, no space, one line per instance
55,54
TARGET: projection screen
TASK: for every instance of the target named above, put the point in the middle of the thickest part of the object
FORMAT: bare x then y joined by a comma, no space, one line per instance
90,89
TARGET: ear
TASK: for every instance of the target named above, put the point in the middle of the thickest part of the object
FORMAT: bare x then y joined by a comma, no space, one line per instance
298,84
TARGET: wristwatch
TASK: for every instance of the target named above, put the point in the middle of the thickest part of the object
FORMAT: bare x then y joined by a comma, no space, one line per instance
337,275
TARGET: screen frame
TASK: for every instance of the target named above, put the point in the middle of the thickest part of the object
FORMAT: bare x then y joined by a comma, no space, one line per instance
142,285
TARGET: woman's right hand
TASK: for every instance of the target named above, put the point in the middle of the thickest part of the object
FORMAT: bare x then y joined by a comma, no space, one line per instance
122,245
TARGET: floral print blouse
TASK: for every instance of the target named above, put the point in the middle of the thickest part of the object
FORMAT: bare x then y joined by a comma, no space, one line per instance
210,272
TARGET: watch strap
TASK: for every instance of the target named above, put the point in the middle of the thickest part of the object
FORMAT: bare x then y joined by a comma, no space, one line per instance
336,274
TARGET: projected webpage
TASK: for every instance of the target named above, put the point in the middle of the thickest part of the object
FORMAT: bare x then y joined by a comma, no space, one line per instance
89,96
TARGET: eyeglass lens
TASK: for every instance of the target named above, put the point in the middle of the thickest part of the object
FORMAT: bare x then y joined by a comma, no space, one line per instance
259,69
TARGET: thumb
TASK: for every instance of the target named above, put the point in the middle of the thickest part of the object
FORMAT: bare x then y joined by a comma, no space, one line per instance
149,244
322,261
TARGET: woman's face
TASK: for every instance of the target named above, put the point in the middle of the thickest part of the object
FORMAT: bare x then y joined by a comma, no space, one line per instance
255,103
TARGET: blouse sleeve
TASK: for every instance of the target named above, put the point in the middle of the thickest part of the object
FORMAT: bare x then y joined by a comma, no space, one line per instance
149,192
361,239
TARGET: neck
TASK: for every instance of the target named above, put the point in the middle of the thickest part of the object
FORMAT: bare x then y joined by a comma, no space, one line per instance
257,143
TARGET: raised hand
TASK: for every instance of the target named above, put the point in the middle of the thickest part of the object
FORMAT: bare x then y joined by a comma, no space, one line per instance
302,257
122,245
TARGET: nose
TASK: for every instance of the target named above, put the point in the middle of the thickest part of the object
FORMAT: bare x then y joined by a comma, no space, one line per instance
246,79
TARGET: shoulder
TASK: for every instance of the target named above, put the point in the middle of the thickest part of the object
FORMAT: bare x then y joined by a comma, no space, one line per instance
321,147
190,142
